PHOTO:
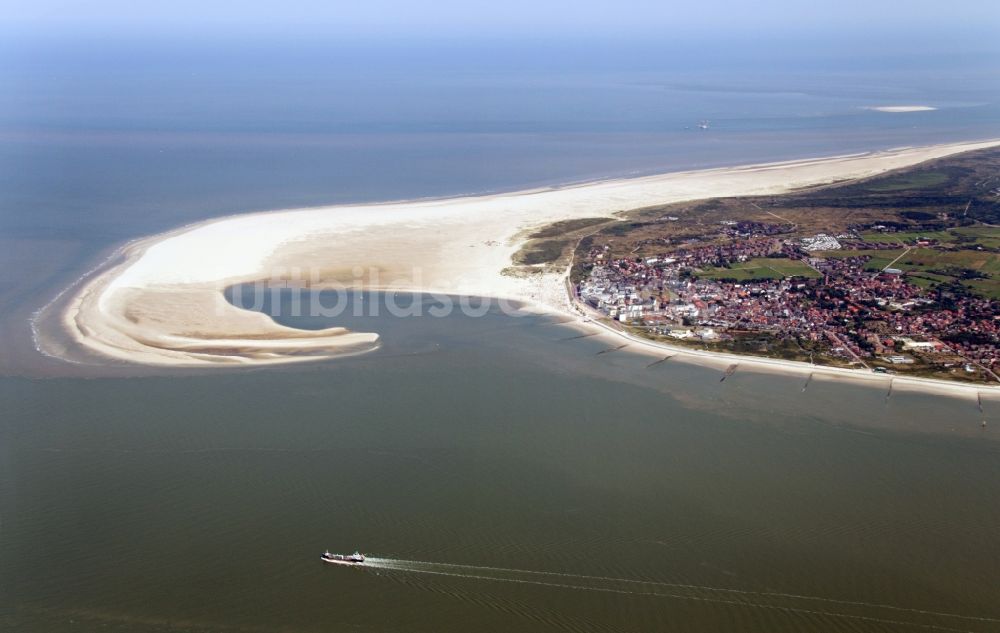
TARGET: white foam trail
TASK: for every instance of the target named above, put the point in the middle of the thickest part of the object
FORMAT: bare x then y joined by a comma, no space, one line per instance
385,564
405,565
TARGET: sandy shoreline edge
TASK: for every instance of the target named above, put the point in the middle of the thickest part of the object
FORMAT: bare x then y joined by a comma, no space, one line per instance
161,302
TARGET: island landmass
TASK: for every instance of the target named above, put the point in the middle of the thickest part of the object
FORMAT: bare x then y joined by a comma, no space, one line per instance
161,301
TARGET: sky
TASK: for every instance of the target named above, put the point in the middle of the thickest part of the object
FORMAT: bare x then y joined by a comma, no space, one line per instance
471,18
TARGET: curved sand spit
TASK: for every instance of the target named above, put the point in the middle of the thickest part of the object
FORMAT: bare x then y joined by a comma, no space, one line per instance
163,304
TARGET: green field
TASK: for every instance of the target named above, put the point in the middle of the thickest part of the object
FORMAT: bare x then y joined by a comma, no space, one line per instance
986,236
989,288
908,237
761,268
923,259
919,263
927,280
966,237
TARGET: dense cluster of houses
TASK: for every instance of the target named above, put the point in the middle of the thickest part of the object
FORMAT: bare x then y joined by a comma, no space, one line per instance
851,311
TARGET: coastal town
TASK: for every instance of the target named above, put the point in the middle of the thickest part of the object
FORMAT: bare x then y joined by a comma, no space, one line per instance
860,298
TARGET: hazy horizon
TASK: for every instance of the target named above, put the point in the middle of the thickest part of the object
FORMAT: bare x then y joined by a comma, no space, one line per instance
516,17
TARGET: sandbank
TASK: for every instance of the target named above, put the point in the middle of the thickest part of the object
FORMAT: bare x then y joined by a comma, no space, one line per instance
902,108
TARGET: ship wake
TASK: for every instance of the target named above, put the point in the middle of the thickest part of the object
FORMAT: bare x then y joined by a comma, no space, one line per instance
824,608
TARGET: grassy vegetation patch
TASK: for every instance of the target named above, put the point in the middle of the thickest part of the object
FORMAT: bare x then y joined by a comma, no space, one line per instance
925,259
788,267
989,288
558,229
909,237
904,182
541,252
740,274
985,236
963,237
761,268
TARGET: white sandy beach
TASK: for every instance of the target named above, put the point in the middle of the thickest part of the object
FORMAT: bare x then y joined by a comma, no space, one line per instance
163,304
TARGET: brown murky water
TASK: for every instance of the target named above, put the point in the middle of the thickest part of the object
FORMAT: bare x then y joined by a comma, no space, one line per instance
504,479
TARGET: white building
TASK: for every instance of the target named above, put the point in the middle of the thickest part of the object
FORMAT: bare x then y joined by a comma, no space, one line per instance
820,242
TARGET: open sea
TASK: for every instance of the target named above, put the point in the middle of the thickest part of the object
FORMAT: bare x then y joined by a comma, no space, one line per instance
502,474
